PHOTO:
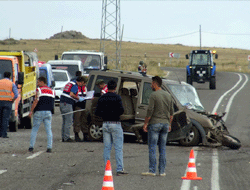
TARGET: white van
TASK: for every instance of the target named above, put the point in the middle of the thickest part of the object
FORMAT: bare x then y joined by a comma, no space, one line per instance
70,65
91,60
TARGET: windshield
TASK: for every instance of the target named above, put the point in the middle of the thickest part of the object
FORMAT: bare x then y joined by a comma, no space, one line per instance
60,76
42,73
187,96
88,61
200,59
70,68
5,65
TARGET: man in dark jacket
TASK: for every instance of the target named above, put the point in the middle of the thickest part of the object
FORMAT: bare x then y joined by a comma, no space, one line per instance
110,107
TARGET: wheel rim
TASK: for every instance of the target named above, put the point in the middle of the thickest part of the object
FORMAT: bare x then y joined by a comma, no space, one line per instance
95,131
189,137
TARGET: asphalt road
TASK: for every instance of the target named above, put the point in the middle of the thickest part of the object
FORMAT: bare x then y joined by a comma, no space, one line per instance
80,165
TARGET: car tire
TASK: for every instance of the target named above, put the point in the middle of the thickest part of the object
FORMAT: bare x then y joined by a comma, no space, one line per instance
189,80
212,84
95,132
192,138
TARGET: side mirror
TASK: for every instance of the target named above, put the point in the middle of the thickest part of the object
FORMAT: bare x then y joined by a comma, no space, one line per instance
214,63
20,78
105,60
187,56
56,57
53,84
216,56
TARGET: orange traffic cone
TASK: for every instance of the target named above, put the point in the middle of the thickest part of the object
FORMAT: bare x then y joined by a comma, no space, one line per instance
191,170
108,178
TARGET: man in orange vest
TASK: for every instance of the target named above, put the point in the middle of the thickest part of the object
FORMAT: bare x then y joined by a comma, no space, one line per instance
8,94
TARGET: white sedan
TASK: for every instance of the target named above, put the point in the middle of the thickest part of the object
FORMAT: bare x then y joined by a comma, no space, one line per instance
61,77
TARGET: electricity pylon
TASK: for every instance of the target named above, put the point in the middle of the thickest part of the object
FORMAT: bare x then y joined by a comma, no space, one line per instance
110,42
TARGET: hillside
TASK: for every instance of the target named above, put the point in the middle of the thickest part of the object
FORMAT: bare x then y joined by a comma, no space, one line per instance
229,59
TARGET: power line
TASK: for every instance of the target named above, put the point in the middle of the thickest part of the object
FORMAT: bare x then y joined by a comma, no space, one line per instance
165,37
226,33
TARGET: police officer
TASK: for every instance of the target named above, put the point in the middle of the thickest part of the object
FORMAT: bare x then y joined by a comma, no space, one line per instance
67,101
80,117
103,87
42,108
8,94
142,68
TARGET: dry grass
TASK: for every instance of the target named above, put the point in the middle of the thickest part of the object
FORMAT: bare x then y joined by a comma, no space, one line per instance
229,59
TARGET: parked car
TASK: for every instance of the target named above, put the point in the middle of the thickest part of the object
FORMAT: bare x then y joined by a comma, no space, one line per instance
61,77
191,124
69,65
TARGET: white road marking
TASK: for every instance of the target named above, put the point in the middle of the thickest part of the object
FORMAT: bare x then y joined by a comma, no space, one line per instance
221,98
232,97
215,171
2,171
215,160
35,155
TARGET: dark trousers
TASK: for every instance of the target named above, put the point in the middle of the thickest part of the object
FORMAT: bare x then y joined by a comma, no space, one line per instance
5,111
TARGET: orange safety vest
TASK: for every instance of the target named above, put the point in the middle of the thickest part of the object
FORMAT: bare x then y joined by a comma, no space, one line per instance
6,92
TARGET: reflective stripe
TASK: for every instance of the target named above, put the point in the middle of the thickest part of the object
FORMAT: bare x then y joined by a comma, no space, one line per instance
5,91
108,173
66,95
192,169
108,184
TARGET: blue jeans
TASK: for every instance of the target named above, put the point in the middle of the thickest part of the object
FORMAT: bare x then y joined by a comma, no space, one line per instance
157,132
38,118
67,120
5,111
113,133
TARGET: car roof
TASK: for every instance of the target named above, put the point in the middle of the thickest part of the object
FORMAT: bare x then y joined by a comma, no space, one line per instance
82,52
66,62
132,75
59,71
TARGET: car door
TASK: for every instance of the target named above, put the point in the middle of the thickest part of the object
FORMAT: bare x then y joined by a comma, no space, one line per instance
145,91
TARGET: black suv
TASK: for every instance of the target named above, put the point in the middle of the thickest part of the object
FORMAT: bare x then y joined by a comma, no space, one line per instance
201,67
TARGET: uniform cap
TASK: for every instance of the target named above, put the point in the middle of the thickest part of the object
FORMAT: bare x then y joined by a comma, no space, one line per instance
99,81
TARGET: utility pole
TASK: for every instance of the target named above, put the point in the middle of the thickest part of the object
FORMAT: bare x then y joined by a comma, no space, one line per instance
110,41
9,33
200,36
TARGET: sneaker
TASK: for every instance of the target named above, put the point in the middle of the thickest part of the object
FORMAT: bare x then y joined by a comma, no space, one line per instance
162,175
69,140
121,173
148,174
49,150
31,149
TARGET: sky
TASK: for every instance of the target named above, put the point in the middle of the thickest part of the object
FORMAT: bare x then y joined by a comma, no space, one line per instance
223,23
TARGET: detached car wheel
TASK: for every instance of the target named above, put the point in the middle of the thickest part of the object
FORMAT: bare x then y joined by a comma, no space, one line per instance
95,132
192,138
189,80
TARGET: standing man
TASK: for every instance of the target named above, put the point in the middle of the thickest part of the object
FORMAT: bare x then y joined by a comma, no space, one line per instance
67,101
159,117
110,107
103,87
42,108
8,94
80,117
